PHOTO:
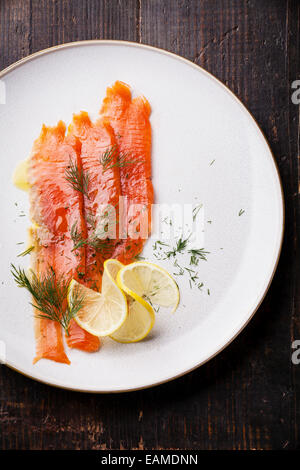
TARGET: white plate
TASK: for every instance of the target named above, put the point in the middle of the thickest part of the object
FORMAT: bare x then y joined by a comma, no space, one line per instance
195,120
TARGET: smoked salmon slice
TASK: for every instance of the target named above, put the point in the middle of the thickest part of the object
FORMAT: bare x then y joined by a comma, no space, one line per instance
55,207
129,119
80,339
51,205
104,189
48,334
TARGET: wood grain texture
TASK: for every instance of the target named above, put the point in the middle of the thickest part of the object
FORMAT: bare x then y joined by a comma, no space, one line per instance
248,396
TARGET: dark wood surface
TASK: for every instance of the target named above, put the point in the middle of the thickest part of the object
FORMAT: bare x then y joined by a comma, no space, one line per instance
248,396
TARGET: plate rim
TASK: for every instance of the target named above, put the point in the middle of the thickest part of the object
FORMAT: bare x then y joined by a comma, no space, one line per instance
261,297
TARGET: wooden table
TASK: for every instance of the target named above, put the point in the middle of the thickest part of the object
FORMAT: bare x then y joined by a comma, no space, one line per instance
248,396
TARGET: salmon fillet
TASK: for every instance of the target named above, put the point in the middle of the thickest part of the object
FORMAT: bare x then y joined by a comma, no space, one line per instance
103,193
129,119
48,334
103,189
55,207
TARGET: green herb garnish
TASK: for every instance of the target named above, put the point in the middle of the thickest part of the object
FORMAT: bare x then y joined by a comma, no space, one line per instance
196,210
179,248
77,178
97,243
112,158
49,296
199,253
26,252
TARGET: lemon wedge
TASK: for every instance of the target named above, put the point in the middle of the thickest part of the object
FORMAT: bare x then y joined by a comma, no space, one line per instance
102,313
147,281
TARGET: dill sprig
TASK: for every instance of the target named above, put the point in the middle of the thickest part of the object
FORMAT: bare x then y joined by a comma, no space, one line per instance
181,245
112,158
26,252
77,178
49,295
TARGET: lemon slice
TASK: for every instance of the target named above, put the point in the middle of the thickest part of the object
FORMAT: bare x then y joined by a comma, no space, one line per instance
138,324
101,313
140,319
143,280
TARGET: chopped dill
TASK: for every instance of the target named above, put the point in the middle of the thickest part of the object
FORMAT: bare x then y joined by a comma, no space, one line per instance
26,252
91,220
77,237
94,241
194,260
212,162
190,271
181,270
148,299
160,243
98,244
179,249
196,210
80,274
241,212
139,257
199,253
193,275
168,221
